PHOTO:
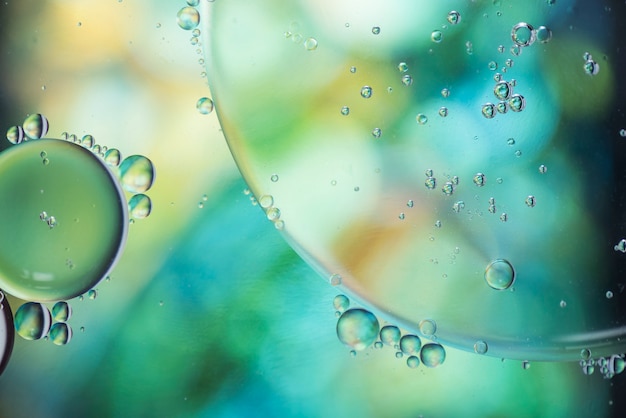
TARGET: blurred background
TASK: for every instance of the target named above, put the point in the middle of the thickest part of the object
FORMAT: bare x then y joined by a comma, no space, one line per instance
209,312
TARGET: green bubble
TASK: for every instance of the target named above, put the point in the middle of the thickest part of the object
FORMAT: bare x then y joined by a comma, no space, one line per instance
32,321
502,90
390,335
139,206
204,105
80,237
341,303
112,157
136,174
413,361
357,328
427,327
410,344
432,355
60,333
499,274
61,311
15,134
188,18
35,126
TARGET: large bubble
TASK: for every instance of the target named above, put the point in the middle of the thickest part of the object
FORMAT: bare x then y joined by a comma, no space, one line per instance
354,130
7,332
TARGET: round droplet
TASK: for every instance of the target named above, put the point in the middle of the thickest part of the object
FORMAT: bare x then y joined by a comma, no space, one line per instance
618,364
543,34
502,90
563,304
488,110
421,119
492,65
139,206
88,141
403,67
32,321
266,201
591,67
445,92
436,36
204,105
432,355
273,214
443,111
60,333
7,332
377,132
500,274
448,188
35,126
479,179
335,280
15,134
136,174
188,18
357,328
77,186
523,34
517,103
609,294
366,92
341,303
530,201
390,335
112,157
480,347
61,311
310,44
454,17
353,69
413,361
376,30
502,107
428,327
345,110
92,294
410,344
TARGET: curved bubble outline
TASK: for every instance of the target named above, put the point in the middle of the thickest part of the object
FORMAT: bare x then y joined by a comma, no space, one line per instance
6,328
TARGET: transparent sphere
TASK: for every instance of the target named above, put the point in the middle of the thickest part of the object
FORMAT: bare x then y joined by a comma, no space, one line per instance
343,192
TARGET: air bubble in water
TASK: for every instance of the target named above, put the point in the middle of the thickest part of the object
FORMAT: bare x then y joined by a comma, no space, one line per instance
454,17
377,132
136,174
488,110
15,134
432,355
407,80
112,157
530,201
500,274
523,34
376,30
188,18
480,347
60,333
436,36
139,206
366,92
443,111
32,321
357,328
591,67
410,344
35,126
479,179
310,44
61,311
345,110
335,279
413,362
428,327
502,90
390,335
204,105
421,118
341,303
445,92
403,67
430,183
517,103
543,34
88,141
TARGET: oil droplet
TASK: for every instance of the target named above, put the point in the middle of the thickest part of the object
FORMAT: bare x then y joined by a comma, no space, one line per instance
139,206
407,80
403,67
447,188
500,274
413,362
523,34
273,214
502,90
543,169
502,107
390,335
492,65
488,110
136,174
188,18
15,134
428,327
335,279
530,201
510,141
517,103
266,201
421,118
436,36
204,105
591,67
410,344
377,132
345,110
60,333
112,157
32,321
274,178
341,303
479,179
432,355
92,294
445,92
504,217
443,111
88,141
310,44
480,347
366,92
35,126
609,294
61,311
454,17
376,30
526,365
543,34
357,328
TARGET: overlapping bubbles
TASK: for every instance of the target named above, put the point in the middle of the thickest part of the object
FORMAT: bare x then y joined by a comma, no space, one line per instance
58,195
429,162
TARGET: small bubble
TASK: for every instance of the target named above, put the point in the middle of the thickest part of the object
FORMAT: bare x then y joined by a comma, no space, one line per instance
445,92
488,110
61,311
335,279
204,105
390,335
188,18
366,92
609,294
480,347
502,90
92,294
501,49
32,321
421,118
516,50
399,354
502,107
622,133
525,364
543,34
401,216
517,103
509,63
492,65
428,327
523,34
353,69
310,44
443,111
479,179
458,206
357,328
447,188
345,110
504,217
413,362
274,178
266,201
139,206
377,132
454,17
136,174
436,36
378,345
376,30
273,214
585,354
562,304
407,80
621,246
341,303
437,224
51,221
500,274
112,157
60,333
497,77
403,67
530,201
432,355
410,344
543,169
591,67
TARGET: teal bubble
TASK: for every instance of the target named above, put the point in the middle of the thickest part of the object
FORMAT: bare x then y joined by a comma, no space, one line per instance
480,347
136,174
188,18
15,134
341,303
60,333
139,206
523,34
543,34
88,141
357,328
366,92
454,17
413,362
410,344
112,157
502,90
421,118
390,335
500,274
517,103
71,213
436,36
35,126
618,364
32,321
204,105
61,311
488,110
428,327
432,355
7,332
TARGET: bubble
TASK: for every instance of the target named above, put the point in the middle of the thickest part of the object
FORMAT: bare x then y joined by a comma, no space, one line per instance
543,169
112,157
609,294
432,355
510,141
530,201
562,304
407,80
410,344
15,134
436,36
139,206
458,206
88,141
502,90
488,110
136,174
413,362
204,105
504,217
345,110
525,364
357,328
479,179
492,65
445,92
517,103
443,111
353,69
341,303
430,183
502,107
480,347
622,133
543,34
390,335
427,327
61,311
454,17
500,274
32,321
273,214
421,118
77,186
92,294
469,48
7,332
448,188
335,279
188,18
376,30
35,126
621,246
274,178
366,92
377,132
523,34
588,369
310,44
618,364
591,67
60,333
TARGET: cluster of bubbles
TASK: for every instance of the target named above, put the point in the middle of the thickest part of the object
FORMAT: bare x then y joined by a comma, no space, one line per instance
33,321
359,329
607,366
266,202
293,33
503,91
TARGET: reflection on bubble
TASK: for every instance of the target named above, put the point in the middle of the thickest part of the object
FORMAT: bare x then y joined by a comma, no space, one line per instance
341,303
390,335
60,333
357,328
139,206
188,18
61,311
136,174
410,344
432,355
499,274
32,321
